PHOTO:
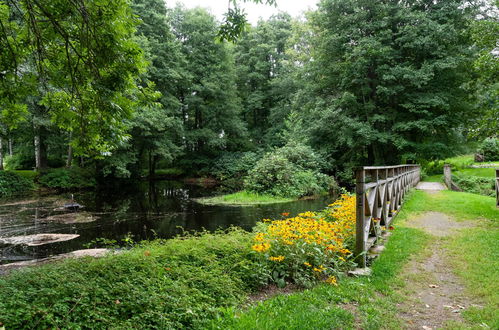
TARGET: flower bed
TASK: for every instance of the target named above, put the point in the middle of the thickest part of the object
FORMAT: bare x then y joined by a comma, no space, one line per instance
309,247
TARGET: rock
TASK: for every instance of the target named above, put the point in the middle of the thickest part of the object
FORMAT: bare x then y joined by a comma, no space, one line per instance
70,218
37,239
36,262
377,249
360,272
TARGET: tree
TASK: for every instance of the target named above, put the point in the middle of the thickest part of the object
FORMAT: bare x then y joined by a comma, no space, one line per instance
389,77
484,33
209,105
260,57
82,54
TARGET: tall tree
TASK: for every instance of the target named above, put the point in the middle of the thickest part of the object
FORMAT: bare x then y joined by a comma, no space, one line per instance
389,79
485,35
260,54
210,107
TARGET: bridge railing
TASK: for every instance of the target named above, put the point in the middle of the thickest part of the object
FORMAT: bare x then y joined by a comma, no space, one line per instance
380,191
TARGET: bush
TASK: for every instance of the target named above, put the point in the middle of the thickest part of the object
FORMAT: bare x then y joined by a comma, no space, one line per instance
490,149
309,247
68,178
174,284
288,174
475,184
12,184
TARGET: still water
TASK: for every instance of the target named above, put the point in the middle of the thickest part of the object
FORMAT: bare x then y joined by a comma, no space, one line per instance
147,210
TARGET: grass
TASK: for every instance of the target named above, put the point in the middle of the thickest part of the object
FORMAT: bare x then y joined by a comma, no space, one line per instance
243,198
434,178
481,172
460,205
28,174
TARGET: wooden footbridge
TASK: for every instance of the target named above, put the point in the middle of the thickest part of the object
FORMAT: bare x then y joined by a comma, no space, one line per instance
380,193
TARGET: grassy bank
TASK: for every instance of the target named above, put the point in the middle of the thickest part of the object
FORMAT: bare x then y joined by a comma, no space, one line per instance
243,198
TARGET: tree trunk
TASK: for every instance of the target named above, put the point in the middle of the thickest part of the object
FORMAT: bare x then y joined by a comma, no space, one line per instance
69,161
1,153
11,150
38,152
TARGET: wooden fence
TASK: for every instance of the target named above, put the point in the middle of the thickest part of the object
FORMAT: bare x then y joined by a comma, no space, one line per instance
497,187
380,192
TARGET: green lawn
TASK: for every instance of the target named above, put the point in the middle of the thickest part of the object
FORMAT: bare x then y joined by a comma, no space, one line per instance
481,172
243,198
28,174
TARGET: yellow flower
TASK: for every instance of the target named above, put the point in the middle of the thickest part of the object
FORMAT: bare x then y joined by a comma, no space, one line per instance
259,237
341,258
307,264
278,258
261,247
332,280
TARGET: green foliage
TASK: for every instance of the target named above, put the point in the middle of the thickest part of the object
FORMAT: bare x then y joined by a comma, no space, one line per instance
79,63
232,167
68,178
485,86
12,184
490,149
179,283
475,184
388,79
296,176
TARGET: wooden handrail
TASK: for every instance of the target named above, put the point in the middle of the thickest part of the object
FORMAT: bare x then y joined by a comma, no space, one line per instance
380,191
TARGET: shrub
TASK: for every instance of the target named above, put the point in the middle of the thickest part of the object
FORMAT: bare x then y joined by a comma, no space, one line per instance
490,149
309,247
476,185
12,184
234,165
289,174
174,284
68,178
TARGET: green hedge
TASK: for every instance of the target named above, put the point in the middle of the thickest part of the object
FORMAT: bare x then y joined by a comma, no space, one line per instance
68,178
12,184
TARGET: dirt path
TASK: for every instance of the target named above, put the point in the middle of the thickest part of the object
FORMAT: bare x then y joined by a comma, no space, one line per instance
434,295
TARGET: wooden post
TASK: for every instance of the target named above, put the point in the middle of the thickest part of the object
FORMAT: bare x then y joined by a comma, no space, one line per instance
497,187
360,218
448,176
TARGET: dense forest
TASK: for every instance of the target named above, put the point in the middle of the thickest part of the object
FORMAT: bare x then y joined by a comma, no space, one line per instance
119,89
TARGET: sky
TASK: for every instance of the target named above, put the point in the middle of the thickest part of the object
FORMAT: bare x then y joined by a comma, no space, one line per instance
253,11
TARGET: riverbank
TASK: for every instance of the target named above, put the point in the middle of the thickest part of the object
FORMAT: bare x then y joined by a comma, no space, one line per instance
243,198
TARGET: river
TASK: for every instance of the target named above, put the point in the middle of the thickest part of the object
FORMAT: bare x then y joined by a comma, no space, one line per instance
146,210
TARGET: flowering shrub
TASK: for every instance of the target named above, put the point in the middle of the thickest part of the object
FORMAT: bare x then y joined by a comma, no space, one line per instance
309,247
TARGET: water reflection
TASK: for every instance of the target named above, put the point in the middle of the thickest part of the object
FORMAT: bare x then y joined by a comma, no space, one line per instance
145,210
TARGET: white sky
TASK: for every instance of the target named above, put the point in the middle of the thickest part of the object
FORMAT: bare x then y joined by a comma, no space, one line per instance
253,11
